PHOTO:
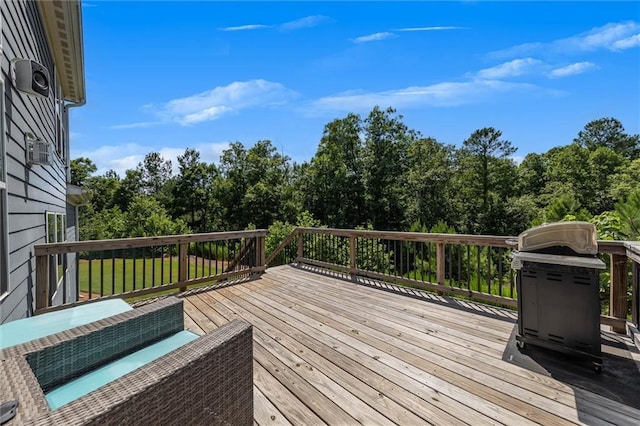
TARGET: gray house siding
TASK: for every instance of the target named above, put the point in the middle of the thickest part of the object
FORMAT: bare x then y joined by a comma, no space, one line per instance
31,191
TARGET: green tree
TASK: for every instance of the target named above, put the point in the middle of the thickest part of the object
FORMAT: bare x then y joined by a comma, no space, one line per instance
532,174
609,225
429,182
156,171
81,169
486,178
569,174
192,190
609,133
129,188
625,180
147,218
104,190
604,162
255,186
386,142
629,213
104,224
333,187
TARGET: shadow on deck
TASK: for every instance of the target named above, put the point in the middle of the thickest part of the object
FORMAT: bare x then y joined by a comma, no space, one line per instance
329,349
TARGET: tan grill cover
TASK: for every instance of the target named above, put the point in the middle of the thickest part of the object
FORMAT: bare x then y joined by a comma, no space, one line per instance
581,237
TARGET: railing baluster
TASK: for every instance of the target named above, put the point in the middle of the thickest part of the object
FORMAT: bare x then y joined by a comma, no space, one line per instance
162,265
153,266
489,269
124,270
468,267
500,265
478,270
101,273
90,276
144,269
450,264
133,253
113,271
459,251
422,261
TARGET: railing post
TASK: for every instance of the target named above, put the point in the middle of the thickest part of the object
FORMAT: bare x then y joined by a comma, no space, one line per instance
300,243
618,290
260,252
440,266
42,282
352,255
183,263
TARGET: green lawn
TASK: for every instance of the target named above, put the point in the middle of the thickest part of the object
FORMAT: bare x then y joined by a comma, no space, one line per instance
116,276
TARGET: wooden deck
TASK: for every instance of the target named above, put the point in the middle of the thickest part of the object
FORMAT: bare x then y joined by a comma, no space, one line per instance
327,350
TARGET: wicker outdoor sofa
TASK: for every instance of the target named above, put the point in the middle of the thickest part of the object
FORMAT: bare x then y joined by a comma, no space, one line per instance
205,382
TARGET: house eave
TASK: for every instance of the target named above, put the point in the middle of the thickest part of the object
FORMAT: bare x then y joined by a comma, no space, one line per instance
76,195
62,21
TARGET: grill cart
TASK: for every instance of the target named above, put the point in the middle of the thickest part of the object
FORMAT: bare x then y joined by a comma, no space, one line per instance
558,289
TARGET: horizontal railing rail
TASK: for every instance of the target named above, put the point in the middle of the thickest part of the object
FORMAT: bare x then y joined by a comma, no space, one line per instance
474,266
134,267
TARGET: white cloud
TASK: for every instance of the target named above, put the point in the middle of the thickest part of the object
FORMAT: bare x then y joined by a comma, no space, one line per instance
306,22
440,94
122,157
511,69
208,114
430,28
248,27
373,37
612,36
627,43
114,157
222,100
139,125
573,69
607,37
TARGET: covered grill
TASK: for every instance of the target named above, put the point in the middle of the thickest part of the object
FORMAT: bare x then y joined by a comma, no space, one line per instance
558,289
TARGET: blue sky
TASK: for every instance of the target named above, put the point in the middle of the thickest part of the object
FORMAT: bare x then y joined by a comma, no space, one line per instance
164,76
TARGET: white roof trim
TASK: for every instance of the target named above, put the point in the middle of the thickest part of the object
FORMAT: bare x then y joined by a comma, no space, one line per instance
76,195
62,21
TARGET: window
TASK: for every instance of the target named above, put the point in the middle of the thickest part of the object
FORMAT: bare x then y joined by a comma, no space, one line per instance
56,228
4,246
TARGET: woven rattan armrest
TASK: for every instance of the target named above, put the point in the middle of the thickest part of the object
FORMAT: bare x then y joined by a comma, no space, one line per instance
60,357
208,381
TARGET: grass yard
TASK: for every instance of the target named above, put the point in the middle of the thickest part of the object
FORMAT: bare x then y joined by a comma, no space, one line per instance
115,276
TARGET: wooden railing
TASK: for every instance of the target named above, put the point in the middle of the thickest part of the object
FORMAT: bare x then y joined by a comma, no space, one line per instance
133,267
478,267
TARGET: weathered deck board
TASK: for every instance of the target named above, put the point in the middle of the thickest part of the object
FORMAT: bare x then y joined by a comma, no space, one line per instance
329,351
386,392
451,370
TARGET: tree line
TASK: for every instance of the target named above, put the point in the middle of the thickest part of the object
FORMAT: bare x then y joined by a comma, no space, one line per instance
375,172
